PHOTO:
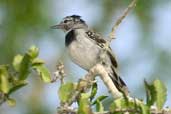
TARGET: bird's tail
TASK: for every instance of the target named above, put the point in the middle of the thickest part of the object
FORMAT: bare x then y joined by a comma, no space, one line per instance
119,83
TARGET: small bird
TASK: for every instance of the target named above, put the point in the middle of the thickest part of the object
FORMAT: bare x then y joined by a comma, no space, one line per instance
85,47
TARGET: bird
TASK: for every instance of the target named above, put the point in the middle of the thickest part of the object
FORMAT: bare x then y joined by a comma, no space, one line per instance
85,48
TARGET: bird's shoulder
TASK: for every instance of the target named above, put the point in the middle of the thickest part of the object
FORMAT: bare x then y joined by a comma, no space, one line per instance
96,37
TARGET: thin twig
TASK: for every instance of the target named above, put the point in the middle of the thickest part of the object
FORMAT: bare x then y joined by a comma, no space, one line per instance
118,22
59,73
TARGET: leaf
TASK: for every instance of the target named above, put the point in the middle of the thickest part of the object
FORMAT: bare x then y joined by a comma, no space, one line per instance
24,67
4,82
84,104
66,91
161,93
37,61
122,103
98,103
99,106
43,72
144,109
11,102
33,52
150,93
100,98
93,91
17,87
156,93
118,104
17,62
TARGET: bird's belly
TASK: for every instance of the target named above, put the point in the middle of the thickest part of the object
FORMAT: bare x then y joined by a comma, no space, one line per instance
85,55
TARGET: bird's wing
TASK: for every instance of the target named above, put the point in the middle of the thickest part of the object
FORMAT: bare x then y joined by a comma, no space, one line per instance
97,38
100,41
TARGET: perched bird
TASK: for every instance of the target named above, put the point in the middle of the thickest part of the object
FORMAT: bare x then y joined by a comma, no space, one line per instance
85,47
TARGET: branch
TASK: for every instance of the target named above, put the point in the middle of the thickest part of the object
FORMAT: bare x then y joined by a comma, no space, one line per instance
118,22
101,71
70,110
86,83
98,69
60,73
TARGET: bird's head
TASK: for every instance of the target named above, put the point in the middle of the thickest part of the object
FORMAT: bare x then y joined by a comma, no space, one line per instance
71,22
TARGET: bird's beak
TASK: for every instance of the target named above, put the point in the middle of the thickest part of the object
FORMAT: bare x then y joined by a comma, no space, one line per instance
59,26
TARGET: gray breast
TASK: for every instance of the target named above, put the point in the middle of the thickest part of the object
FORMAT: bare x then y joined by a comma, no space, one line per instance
82,50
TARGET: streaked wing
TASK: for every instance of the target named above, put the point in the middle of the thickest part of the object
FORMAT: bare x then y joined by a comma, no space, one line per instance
100,41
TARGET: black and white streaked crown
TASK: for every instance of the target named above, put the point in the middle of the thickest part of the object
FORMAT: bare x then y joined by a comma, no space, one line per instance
70,23
74,18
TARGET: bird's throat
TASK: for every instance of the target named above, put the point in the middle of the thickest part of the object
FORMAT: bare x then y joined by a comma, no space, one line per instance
69,38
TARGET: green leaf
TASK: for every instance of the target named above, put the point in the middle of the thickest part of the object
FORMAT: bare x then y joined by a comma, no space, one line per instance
122,103
150,93
161,93
17,62
66,91
93,91
98,103
33,52
156,93
24,67
118,104
37,61
17,87
43,72
100,98
4,82
11,102
99,106
84,104
144,109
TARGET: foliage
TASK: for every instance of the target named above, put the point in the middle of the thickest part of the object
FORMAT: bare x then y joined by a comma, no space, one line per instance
156,95
13,77
66,91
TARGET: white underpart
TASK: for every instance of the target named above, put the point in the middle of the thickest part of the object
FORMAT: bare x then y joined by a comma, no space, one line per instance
83,51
